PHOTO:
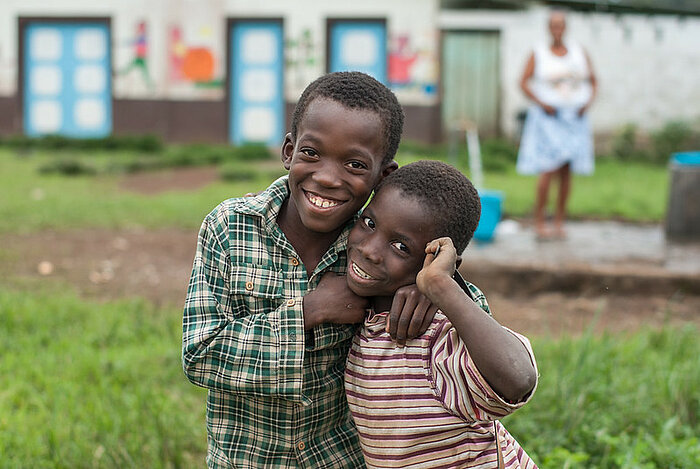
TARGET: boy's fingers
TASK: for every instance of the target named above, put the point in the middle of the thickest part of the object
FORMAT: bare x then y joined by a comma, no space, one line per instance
400,317
415,328
428,318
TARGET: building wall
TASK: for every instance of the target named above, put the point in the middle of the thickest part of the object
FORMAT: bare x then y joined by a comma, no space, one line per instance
178,89
648,66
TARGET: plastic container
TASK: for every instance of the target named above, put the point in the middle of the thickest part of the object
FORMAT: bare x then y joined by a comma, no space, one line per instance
683,214
491,205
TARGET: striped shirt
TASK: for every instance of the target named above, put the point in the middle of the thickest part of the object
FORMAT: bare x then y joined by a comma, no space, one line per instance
275,392
426,405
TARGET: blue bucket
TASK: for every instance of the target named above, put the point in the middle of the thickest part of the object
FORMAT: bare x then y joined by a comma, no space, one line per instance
491,203
688,158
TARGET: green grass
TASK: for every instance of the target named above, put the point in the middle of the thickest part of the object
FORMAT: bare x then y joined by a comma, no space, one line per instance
634,191
615,401
89,384
31,201
94,385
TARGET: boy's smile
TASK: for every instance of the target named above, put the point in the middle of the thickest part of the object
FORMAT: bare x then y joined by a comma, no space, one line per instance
333,166
386,247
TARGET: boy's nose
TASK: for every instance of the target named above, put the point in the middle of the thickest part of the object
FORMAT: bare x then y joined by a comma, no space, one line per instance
326,174
369,248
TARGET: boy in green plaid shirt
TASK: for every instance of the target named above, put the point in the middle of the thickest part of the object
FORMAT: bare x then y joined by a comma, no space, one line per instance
269,318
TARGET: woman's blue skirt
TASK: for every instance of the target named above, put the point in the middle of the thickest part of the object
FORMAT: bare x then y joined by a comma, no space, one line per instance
549,142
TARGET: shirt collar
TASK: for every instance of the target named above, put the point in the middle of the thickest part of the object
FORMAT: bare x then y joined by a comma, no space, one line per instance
267,205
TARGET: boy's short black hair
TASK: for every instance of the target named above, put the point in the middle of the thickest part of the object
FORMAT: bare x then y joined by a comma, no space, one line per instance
356,90
447,194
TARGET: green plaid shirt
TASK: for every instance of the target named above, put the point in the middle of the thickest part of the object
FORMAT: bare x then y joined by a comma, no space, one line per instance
276,396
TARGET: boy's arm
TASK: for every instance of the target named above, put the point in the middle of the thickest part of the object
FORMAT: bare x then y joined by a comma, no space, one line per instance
499,355
257,354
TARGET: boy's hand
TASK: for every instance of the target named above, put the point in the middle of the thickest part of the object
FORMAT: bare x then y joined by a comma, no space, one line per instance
440,262
333,301
410,315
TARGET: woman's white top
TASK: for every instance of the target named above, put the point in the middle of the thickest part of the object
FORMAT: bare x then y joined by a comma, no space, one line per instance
563,81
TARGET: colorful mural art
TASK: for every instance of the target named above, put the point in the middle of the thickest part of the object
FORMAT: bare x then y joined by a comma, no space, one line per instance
139,61
191,63
411,68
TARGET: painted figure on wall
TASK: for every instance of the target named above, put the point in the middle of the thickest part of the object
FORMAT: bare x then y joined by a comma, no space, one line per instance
411,68
401,59
140,58
193,64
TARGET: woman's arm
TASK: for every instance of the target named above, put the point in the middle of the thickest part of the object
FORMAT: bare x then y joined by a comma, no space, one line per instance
528,73
594,85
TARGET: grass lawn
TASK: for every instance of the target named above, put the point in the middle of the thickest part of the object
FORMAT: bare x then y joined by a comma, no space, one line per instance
90,384
31,201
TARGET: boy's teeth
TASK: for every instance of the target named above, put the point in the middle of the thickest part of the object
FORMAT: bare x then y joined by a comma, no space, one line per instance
319,202
361,272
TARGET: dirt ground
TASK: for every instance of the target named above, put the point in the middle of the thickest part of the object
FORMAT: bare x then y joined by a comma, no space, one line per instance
155,264
107,264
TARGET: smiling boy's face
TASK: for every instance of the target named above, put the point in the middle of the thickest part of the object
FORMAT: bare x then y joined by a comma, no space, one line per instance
386,247
334,164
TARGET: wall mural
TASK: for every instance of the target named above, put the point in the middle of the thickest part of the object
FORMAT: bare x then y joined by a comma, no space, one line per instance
139,61
192,63
411,68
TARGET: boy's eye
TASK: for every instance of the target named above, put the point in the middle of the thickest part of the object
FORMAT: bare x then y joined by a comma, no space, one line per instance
368,222
357,165
400,246
309,151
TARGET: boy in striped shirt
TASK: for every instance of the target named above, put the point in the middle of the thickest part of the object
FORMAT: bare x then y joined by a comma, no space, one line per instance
435,402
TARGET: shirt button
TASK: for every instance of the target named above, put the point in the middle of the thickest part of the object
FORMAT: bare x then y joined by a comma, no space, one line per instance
301,445
294,261
249,286
291,302
292,336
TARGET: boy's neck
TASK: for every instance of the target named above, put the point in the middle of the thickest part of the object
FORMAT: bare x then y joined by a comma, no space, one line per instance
310,245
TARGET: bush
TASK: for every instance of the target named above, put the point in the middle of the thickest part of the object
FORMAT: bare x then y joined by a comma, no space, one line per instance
498,155
673,137
68,167
625,145
251,152
142,143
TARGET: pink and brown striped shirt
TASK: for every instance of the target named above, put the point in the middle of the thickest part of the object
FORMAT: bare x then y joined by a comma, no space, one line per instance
426,405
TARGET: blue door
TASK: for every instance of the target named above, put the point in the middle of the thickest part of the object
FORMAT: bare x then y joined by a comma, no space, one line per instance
67,85
256,105
358,46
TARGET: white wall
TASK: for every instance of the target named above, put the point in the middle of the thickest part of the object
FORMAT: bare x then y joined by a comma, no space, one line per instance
648,67
203,23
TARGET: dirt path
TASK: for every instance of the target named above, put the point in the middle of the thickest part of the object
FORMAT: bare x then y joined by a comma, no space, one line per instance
107,264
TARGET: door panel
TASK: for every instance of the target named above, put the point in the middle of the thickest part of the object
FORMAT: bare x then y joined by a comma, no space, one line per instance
358,46
471,79
256,106
67,82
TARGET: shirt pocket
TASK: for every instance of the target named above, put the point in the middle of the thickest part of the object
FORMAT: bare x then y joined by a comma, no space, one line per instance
255,289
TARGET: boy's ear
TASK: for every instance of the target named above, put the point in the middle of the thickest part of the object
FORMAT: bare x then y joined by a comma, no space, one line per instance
389,168
287,151
458,262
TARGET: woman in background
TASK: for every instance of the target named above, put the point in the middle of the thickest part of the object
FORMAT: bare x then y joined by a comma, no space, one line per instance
557,139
